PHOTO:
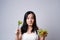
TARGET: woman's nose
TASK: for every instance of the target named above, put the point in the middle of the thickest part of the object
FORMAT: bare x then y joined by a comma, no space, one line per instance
30,19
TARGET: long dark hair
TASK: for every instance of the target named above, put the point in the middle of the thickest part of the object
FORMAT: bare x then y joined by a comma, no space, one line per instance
25,26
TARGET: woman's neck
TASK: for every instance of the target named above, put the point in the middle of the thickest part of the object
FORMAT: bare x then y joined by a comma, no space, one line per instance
29,29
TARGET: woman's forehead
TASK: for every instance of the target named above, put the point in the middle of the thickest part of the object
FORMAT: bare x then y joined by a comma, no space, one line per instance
30,15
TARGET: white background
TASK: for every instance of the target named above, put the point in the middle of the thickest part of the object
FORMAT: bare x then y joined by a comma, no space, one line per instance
47,15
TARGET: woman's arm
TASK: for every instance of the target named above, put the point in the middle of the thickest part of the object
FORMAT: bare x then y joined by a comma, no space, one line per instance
18,34
16,37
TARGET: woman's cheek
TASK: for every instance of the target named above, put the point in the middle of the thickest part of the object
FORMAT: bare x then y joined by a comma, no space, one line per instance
33,21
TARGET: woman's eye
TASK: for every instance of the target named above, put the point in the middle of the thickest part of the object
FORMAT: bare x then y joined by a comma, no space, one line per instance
27,18
32,18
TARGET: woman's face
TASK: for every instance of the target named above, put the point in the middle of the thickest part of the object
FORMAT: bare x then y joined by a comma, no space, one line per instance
30,20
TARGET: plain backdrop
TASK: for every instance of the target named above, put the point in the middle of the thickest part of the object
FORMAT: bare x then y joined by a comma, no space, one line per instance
47,16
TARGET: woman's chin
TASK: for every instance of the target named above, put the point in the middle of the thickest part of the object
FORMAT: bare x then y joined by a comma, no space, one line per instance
30,25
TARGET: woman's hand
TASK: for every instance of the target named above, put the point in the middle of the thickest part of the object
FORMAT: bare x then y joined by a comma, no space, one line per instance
18,34
17,31
42,33
43,37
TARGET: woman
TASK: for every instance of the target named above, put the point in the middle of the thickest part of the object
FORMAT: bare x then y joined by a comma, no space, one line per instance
29,28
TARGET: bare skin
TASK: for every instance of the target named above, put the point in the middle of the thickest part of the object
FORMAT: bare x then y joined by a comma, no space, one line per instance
30,22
